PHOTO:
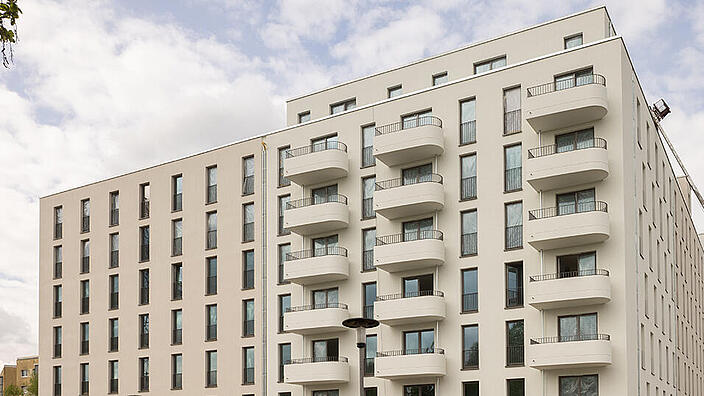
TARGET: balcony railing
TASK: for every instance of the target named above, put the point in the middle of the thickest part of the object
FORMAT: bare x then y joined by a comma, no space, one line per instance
313,148
368,208
552,149
470,358
318,359
114,217
566,84
326,251
468,187
406,352
408,124
514,297
409,236
144,210
513,179
469,244
368,260
368,367
563,210
573,338
468,132
368,156
514,237
368,311
400,181
470,302
248,185
515,355
512,122
421,293
310,307
569,274
310,201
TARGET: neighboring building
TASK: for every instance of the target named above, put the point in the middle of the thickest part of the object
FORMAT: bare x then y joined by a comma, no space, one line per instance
19,374
506,210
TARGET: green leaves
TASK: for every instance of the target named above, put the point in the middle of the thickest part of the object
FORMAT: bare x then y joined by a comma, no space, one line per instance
9,13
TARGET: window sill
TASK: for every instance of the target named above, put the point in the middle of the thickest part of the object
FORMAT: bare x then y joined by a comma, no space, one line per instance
469,255
511,133
211,340
247,288
210,203
113,225
469,312
248,336
469,368
513,248
513,191
210,248
468,199
514,307
467,143
368,270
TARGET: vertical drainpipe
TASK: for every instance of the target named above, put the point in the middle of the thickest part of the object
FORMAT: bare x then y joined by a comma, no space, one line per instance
437,282
264,269
637,233
542,271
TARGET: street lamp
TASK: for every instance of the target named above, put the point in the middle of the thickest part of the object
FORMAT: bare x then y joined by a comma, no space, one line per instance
361,325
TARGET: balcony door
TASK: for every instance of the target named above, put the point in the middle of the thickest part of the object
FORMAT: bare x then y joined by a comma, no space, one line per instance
417,119
418,286
574,79
574,140
324,194
576,265
326,350
577,327
417,174
415,342
419,229
325,246
325,298
576,202
324,143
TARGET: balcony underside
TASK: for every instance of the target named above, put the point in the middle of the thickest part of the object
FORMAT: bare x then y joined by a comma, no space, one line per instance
569,292
403,311
409,200
569,355
567,169
410,255
321,373
312,270
410,367
317,167
409,145
317,219
316,321
568,107
565,231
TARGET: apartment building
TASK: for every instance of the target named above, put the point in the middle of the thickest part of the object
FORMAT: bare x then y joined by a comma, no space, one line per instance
19,374
507,212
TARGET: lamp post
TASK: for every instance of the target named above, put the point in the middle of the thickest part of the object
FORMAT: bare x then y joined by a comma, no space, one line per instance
361,325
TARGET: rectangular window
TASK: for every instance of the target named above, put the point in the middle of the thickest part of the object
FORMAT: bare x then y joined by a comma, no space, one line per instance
638,121
176,371
419,285
177,191
369,355
326,246
58,222
440,78
284,306
176,281
369,293
582,264
85,256
283,181
114,250
368,186
576,202
284,359
469,233
57,380
513,166
470,347
144,331
211,237
326,350
468,121
470,291
58,298
85,379
574,79
144,243
248,175
284,250
283,201
303,117
211,271
113,334
85,338
394,91
326,393
144,286
583,385
516,387
85,215
211,369
114,282
577,328
58,261
514,285
144,196
326,298
248,269
512,110
176,327
85,297
248,222
415,120
113,377
368,146
343,106
575,140
490,64
418,229
177,237
573,41
57,342
368,243
417,174
211,193
144,374
513,213
248,364
514,343
468,177
211,327
470,388
114,208
417,342
248,315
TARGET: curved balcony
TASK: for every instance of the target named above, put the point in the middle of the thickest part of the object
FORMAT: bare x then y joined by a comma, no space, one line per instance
561,104
400,197
406,308
409,364
316,318
557,353
569,289
551,167
308,267
316,163
409,251
556,228
317,371
408,141
310,216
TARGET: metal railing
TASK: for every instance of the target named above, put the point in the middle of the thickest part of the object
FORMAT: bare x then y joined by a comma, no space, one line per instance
368,208
177,246
310,307
85,223
470,358
310,201
513,179
563,210
248,185
211,332
212,239
468,132
408,294
318,359
470,302
316,147
409,236
326,251
85,264
515,355
368,311
566,84
114,217
248,232
405,352
248,279
514,237
569,274
408,124
176,290
114,300
144,210
368,156
469,244
514,297
114,258
177,336
468,187
248,328
553,149
512,122
572,338
401,181
178,202
368,260
144,253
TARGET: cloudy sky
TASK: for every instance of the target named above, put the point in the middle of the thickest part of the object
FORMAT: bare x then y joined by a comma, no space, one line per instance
104,87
